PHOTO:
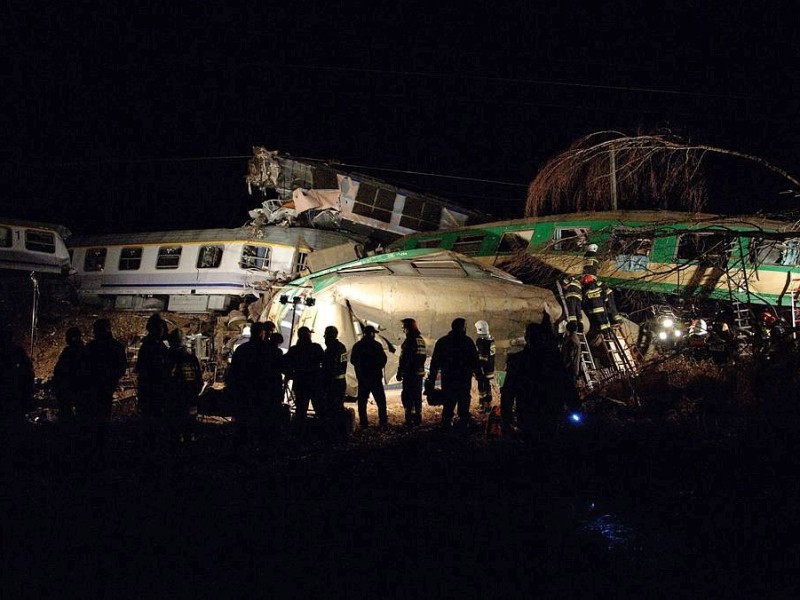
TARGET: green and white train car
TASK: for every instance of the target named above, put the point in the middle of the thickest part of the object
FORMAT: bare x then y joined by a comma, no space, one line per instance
749,259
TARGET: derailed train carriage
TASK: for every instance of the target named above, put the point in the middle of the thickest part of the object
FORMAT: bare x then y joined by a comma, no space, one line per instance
432,286
28,246
195,271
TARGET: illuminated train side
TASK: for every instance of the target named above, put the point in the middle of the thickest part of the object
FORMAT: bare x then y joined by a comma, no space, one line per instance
205,270
27,246
749,259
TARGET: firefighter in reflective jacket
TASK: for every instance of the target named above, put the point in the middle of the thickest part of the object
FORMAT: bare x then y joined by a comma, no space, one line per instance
599,304
411,370
573,297
486,354
590,260
334,369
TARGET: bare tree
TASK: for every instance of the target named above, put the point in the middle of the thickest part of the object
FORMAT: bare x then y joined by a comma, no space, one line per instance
609,170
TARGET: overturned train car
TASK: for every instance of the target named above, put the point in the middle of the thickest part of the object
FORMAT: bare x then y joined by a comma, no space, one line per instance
432,286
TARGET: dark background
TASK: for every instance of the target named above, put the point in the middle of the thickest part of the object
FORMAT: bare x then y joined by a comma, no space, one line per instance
142,116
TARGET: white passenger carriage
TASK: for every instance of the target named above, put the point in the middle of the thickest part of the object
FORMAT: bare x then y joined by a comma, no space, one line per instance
33,247
192,271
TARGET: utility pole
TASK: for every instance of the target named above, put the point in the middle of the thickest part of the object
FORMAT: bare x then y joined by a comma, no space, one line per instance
612,162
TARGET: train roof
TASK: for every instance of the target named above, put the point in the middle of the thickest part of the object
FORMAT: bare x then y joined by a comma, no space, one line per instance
643,217
61,229
287,236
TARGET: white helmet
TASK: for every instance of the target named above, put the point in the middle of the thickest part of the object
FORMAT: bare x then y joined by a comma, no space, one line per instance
482,327
591,248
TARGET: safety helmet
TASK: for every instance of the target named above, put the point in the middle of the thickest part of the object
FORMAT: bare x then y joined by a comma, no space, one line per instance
482,327
768,318
330,332
588,278
591,248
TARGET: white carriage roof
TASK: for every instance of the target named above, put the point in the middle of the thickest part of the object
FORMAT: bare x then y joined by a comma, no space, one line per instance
288,236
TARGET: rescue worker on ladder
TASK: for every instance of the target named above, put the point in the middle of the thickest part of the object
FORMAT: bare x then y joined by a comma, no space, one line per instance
573,298
486,354
599,303
590,260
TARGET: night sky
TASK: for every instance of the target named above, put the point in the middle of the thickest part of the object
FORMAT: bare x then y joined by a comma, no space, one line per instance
141,116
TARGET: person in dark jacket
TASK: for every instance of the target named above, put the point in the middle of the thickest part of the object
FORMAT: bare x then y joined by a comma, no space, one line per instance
456,356
16,397
185,383
334,369
303,364
537,386
107,363
16,380
153,370
247,385
70,377
411,371
369,358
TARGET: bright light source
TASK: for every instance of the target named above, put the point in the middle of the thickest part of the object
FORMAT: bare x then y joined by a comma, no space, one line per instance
575,418
667,322
678,333
662,335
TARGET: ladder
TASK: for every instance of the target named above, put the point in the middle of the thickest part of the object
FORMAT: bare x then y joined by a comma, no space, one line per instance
588,370
737,282
620,353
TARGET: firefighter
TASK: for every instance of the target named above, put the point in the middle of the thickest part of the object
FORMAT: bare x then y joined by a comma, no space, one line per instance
186,381
335,368
486,356
596,301
590,260
411,370
573,298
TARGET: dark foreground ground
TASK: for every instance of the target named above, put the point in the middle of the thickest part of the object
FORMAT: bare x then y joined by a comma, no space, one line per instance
695,508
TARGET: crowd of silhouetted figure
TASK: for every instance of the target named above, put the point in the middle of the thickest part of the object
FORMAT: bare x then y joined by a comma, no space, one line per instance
271,393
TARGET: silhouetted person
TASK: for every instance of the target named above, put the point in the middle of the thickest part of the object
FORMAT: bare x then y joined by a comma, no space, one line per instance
368,358
304,369
16,380
411,371
185,383
107,363
537,386
245,384
153,370
70,377
334,371
456,356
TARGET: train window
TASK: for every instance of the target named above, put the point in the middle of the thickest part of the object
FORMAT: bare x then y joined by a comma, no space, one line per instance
94,260
704,247
169,257
255,257
302,257
130,259
570,239
514,241
468,244
40,241
785,253
630,249
5,237
209,257
432,243
439,268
